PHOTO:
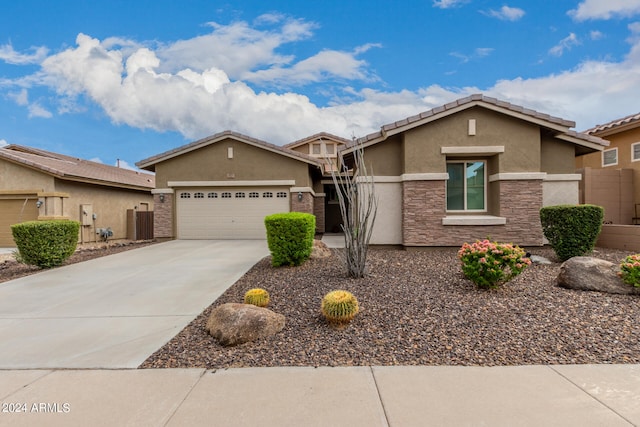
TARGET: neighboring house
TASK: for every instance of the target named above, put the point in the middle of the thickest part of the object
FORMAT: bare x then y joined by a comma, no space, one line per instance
39,185
614,181
473,169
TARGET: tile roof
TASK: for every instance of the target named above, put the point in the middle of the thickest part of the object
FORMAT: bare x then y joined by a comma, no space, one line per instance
75,169
632,119
485,101
150,162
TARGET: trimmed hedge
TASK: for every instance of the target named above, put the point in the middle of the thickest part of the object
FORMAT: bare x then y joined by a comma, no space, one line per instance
46,244
572,230
290,237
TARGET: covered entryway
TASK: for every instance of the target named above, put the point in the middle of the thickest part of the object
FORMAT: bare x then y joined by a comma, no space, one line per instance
227,212
14,211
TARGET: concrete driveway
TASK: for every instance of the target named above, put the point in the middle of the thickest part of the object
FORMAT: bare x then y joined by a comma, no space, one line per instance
115,311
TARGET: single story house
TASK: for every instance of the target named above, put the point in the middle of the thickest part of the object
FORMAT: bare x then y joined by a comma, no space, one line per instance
475,168
40,185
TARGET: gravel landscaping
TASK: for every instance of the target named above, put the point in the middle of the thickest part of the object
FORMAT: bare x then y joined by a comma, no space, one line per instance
418,309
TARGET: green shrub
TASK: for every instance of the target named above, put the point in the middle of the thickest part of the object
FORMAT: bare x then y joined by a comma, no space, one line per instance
630,270
290,237
257,296
572,230
490,264
46,244
339,307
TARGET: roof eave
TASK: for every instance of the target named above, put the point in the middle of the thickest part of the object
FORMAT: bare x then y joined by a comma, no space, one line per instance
147,164
591,145
444,111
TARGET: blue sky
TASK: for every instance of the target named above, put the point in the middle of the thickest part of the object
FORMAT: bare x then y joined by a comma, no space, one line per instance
128,79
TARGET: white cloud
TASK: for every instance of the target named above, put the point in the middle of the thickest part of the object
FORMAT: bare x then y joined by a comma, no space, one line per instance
596,35
21,98
37,110
479,52
236,48
3,143
134,86
447,4
565,44
506,13
322,66
605,9
10,56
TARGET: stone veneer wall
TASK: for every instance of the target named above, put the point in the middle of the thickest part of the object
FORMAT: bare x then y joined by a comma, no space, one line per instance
305,205
318,211
424,208
163,217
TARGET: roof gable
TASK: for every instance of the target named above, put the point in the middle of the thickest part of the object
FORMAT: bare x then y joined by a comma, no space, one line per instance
76,169
561,126
322,136
149,163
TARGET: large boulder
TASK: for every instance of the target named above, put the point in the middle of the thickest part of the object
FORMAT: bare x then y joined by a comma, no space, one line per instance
233,324
593,274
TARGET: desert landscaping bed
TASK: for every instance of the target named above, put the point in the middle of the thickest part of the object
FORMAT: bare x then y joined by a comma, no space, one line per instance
418,309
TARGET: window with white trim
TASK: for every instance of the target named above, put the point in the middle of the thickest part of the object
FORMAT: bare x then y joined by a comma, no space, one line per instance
467,186
316,149
635,151
610,157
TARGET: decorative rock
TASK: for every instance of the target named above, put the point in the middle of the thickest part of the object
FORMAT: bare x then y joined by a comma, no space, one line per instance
537,259
593,274
233,324
320,250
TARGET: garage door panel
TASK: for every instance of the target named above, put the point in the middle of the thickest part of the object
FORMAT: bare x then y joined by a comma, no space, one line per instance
228,213
13,212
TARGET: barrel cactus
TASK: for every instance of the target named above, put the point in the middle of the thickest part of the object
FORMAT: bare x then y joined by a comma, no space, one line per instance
257,296
339,306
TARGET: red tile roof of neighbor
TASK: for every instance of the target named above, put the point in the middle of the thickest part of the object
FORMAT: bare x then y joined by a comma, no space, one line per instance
75,169
547,120
150,162
632,120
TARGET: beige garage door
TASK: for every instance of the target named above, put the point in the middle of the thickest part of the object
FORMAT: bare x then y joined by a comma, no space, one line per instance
228,213
14,212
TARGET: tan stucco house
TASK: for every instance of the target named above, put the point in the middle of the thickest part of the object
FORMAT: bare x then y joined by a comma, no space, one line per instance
612,177
38,185
222,187
471,169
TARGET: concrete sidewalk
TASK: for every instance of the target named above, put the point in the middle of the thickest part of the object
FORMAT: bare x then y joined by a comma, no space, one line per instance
115,311
584,395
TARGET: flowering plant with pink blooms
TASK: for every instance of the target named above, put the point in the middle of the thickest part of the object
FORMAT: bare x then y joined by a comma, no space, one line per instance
490,264
630,270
